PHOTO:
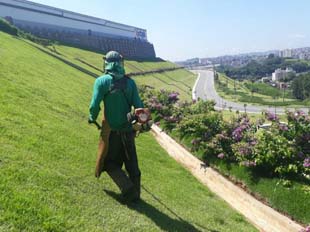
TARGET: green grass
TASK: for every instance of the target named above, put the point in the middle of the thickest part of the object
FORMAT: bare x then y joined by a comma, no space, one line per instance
95,58
291,60
179,80
292,200
227,115
48,153
265,96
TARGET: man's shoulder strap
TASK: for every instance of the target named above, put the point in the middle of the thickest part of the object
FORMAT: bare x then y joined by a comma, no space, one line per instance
118,85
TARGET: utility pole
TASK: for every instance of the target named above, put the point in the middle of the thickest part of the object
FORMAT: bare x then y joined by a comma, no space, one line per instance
274,103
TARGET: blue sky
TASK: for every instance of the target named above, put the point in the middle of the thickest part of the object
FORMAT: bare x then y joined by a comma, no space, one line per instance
182,29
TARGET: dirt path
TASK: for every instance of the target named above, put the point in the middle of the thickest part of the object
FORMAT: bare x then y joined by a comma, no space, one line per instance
259,214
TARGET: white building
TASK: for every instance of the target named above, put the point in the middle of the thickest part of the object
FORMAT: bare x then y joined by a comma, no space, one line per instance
280,74
77,29
32,14
287,53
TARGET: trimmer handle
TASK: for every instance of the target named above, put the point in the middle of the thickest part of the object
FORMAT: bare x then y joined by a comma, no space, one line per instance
96,123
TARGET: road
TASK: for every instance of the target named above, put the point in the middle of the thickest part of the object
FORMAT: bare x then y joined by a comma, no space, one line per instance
204,88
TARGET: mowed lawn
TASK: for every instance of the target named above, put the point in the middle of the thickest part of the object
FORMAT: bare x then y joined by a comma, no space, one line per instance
180,80
47,158
95,59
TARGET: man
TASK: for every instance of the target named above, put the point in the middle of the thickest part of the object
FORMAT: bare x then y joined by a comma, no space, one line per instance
117,138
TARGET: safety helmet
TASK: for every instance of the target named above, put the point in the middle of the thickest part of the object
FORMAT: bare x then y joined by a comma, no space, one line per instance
112,57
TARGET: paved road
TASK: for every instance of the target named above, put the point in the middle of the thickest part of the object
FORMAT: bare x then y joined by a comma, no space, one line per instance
204,89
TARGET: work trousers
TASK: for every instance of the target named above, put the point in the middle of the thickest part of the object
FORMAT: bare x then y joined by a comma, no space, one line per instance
122,150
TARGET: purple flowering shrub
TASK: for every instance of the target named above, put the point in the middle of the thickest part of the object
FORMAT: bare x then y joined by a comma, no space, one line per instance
277,149
275,154
220,147
271,116
299,130
162,105
244,154
233,132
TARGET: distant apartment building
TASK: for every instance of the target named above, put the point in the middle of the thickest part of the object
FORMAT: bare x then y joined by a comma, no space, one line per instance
287,53
280,74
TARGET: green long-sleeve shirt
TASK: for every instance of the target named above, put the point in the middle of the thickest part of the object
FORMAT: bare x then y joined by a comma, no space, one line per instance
117,103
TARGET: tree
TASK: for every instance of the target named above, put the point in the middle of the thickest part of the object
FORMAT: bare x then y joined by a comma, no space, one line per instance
301,87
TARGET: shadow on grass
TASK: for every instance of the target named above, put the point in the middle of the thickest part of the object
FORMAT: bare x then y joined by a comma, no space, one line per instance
163,221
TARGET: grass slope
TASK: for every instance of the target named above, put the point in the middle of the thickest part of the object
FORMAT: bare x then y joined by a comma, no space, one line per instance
179,80
95,58
47,156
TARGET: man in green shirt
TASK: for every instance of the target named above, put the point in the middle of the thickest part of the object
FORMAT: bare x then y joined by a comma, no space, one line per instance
119,94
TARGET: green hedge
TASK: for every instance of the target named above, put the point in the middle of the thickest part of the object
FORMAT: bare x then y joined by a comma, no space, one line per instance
7,27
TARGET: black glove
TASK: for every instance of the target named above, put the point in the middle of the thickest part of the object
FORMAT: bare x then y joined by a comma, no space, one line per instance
90,121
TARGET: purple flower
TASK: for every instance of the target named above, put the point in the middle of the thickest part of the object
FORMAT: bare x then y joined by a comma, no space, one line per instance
271,117
248,163
158,106
283,127
307,163
307,229
253,143
237,134
299,113
245,151
171,119
173,97
221,156
298,116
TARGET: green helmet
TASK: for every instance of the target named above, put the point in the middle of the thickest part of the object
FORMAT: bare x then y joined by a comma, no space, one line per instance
114,64
112,60
113,56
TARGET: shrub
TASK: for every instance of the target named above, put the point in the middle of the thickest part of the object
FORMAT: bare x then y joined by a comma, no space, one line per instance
275,154
5,26
11,29
202,126
202,107
282,150
299,130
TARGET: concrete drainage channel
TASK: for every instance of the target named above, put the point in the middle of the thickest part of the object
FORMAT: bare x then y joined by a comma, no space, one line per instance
260,215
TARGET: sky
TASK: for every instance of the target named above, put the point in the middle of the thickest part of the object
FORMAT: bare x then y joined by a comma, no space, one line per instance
184,29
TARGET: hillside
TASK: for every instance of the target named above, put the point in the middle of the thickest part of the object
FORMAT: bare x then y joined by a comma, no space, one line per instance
179,80
47,156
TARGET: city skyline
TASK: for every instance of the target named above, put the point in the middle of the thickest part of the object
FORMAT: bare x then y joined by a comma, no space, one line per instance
181,30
